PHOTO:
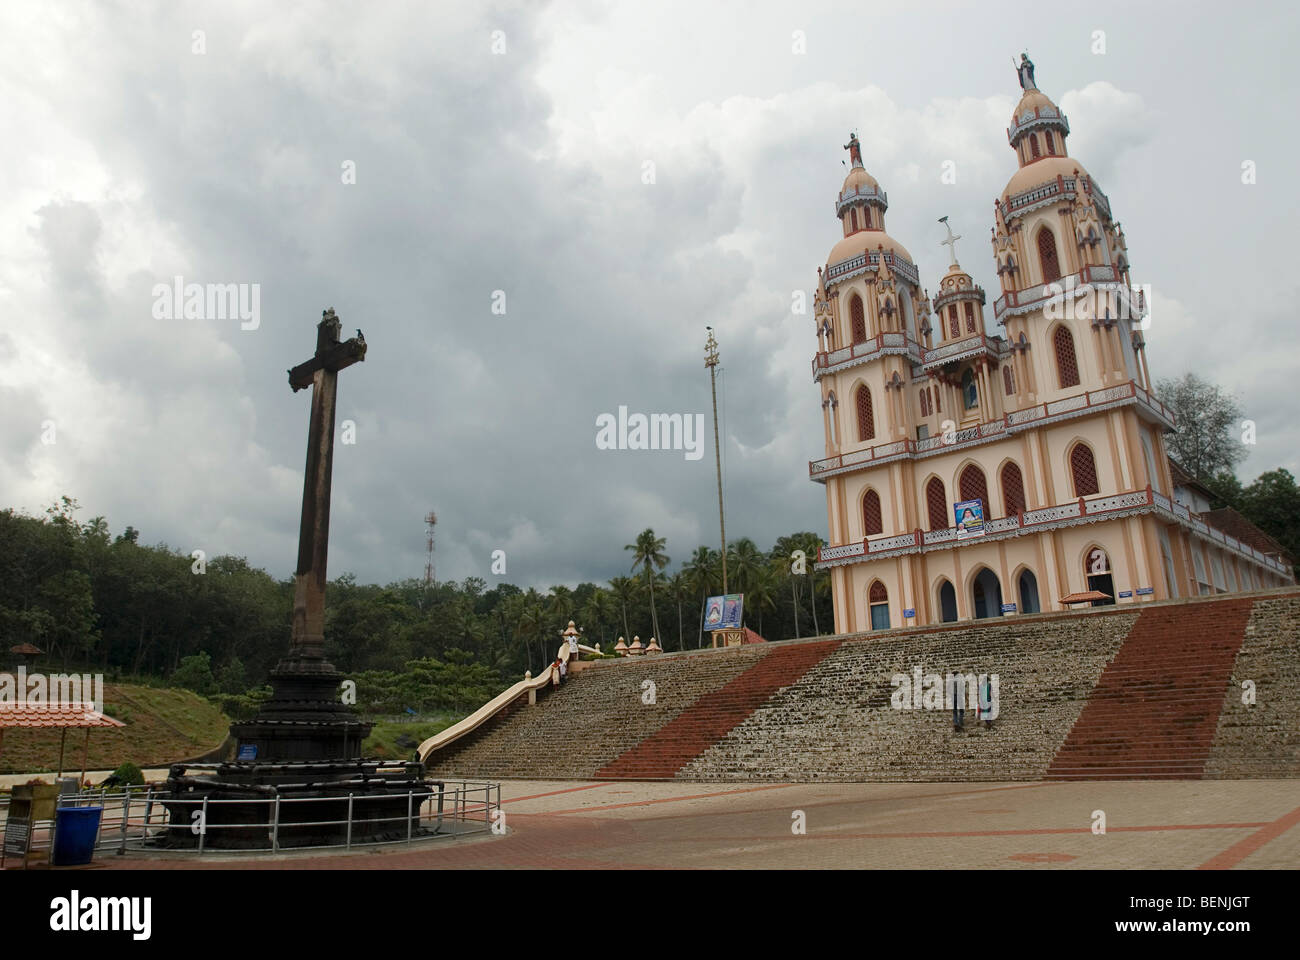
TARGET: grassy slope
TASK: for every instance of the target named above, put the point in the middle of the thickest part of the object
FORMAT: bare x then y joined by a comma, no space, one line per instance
162,726
382,740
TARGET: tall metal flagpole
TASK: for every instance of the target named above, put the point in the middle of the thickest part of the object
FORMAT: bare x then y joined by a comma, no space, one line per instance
711,361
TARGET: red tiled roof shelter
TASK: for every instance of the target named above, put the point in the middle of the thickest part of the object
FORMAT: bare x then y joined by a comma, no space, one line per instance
1085,597
34,716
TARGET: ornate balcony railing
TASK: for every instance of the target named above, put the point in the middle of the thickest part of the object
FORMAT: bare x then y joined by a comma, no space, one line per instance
961,349
870,259
1084,510
1031,298
860,192
1094,401
881,345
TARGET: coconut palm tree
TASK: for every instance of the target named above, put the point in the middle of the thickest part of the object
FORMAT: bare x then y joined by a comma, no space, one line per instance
679,588
559,606
623,590
760,593
703,574
743,560
648,553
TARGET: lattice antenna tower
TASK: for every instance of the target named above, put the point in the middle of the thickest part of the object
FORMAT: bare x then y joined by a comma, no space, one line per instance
430,520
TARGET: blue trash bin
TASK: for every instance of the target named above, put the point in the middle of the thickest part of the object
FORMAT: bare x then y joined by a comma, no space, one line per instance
75,830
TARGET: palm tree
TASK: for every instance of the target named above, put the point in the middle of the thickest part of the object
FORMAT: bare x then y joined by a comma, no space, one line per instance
532,623
761,592
560,605
743,560
647,552
679,588
703,575
598,611
624,591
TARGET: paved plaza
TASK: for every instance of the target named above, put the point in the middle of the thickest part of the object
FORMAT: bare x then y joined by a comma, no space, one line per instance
1017,826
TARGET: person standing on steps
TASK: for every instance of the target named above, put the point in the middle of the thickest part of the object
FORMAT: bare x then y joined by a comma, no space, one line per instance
956,694
985,711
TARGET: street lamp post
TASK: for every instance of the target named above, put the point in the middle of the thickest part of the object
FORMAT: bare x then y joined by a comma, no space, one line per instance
711,361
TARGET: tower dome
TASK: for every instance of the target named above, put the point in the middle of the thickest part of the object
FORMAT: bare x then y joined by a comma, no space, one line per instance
1038,127
861,207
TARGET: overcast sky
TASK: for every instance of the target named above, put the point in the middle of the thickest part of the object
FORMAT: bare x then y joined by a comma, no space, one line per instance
130,158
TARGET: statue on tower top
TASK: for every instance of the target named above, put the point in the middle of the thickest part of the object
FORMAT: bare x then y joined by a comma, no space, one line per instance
1025,71
855,150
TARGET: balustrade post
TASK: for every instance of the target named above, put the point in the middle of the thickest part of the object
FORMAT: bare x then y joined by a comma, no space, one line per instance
275,827
126,815
203,826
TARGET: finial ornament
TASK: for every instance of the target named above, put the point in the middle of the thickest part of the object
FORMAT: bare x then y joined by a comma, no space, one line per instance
1025,71
951,242
855,150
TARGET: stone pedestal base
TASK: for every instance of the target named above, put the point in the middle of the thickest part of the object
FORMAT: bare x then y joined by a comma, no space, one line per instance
385,804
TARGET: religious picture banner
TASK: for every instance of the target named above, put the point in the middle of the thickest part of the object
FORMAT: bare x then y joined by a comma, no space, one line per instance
721,613
970,518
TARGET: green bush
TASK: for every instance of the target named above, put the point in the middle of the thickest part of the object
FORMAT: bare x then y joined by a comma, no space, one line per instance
127,775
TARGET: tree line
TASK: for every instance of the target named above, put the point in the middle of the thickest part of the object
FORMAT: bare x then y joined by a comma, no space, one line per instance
91,600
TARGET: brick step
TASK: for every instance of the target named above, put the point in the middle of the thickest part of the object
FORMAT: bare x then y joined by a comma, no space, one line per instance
703,723
1137,692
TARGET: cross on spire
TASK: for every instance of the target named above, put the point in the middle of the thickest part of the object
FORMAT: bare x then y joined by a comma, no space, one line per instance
951,242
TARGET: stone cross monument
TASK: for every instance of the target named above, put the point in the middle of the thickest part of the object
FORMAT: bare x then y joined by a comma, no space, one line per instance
305,719
321,373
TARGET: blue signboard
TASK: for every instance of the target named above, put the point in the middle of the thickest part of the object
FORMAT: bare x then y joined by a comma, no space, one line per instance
1143,591
909,612
1125,593
1008,608
247,751
721,613
969,515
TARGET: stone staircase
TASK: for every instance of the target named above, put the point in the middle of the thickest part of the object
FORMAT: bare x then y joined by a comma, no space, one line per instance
1149,691
714,715
600,712
1154,711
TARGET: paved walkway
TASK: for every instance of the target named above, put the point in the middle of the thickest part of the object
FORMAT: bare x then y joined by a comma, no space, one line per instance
620,824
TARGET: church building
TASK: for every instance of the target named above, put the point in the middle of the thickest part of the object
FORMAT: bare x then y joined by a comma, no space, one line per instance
971,475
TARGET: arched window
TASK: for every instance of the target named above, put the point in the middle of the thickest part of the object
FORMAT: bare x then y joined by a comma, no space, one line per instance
1033,146
858,320
1083,468
1013,490
1028,592
1047,256
969,391
853,220
1098,573
1051,144
974,487
878,601
952,321
1067,367
1008,379
925,401
947,603
866,421
970,319
866,218
872,523
937,504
